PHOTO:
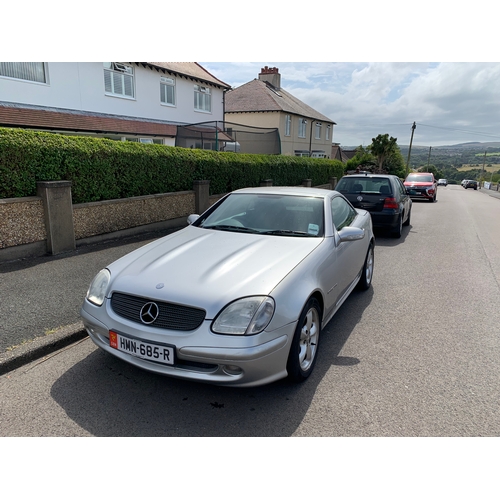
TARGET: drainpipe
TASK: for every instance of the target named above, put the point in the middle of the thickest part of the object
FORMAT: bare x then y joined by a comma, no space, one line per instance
311,138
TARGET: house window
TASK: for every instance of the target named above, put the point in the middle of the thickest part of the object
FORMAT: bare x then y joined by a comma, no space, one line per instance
143,140
301,152
317,133
302,127
31,71
202,98
318,154
119,79
167,91
288,125
327,133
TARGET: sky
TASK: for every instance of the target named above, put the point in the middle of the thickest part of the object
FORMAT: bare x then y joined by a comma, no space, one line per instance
450,103
365,64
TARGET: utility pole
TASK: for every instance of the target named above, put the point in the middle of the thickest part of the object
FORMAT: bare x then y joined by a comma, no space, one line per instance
413,127
482,172
429,159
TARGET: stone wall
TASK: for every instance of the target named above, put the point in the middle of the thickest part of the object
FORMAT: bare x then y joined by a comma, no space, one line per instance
21,221
91,219
24,221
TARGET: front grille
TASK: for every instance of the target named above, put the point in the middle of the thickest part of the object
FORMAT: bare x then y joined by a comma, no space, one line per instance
170,317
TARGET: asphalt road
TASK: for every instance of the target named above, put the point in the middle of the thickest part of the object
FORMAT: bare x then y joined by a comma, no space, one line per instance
417,355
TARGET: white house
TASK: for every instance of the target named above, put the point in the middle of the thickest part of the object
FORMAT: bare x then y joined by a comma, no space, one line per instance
138,101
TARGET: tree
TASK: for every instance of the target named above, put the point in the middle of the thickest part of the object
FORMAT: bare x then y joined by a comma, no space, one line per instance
363,158
433,170
388,155
382,147
395,164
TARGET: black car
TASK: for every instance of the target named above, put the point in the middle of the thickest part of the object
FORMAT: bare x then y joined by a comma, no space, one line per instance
470,184
384,196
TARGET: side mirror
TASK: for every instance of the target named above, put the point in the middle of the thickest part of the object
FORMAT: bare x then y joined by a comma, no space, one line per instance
351,234
192,218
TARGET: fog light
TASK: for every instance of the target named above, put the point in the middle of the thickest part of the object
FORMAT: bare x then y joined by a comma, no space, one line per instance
232,370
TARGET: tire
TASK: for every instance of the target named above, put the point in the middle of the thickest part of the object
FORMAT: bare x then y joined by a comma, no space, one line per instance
305,344
365,282
396,233
407,221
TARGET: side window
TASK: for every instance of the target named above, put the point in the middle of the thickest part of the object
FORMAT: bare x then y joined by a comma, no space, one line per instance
342,213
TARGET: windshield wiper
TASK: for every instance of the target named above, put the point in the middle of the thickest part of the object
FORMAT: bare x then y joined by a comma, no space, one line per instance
229,227
288,232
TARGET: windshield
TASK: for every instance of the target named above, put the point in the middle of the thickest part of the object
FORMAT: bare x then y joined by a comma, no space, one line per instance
267,214
419,178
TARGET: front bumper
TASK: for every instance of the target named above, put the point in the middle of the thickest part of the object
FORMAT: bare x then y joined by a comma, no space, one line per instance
240,361
417,193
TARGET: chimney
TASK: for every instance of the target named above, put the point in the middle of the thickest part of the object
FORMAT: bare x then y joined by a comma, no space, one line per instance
270,75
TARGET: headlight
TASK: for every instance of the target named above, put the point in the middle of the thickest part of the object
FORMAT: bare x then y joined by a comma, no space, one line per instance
98,287
246,316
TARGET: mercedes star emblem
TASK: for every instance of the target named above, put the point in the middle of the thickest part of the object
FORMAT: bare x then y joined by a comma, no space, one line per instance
149,313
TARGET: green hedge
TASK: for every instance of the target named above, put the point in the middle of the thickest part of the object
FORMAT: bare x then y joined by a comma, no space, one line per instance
101,169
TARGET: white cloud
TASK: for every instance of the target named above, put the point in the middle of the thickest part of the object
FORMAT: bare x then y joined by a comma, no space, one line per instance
450,102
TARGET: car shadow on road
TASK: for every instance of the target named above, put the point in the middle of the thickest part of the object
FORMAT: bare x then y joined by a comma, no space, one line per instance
385,239
108,397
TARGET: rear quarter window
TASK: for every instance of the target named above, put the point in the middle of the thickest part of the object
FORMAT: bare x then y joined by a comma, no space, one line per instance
342,213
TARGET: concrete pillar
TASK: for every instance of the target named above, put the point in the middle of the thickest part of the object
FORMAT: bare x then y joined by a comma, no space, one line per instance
266,183
201,196
58,211
333,182
306,183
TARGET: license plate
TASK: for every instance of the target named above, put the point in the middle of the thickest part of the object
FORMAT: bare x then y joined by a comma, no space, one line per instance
152,352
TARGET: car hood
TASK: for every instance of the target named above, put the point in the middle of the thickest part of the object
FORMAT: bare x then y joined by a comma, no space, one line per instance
207,268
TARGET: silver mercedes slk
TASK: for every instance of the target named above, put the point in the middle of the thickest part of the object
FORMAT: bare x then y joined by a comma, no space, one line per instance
240,295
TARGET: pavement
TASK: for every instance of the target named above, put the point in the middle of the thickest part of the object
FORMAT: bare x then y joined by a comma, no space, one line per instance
41,297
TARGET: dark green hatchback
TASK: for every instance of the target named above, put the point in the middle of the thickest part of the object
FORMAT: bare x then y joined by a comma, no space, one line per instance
384,196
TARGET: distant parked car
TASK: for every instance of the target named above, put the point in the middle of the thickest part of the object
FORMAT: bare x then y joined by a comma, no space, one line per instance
470,184
384,196
421,185
442,182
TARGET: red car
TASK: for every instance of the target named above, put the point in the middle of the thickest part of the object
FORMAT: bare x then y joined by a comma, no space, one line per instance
421,186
